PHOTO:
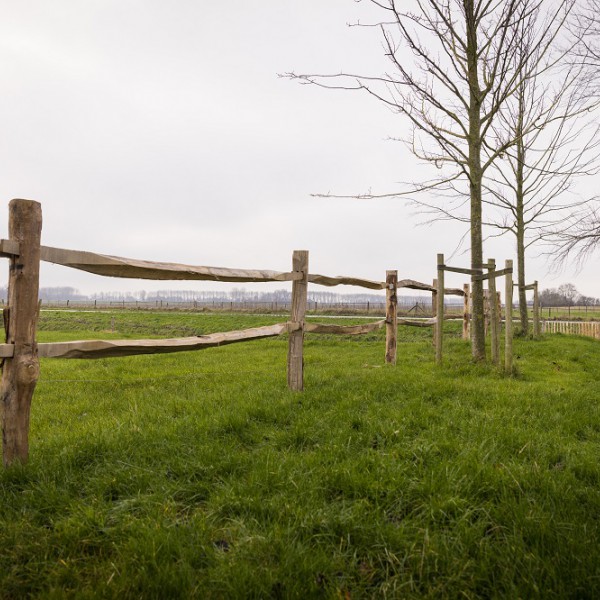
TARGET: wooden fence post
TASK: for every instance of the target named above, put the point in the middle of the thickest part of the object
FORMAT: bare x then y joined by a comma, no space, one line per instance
493,303
439,330
499,316
295,363
466,309
20,372
434,310
391,316
536,311
508,352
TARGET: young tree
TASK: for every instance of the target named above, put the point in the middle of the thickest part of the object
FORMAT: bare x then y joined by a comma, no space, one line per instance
465,66
579,236
554,144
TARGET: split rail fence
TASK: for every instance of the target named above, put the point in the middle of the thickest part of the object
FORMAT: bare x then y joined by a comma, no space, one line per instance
21,352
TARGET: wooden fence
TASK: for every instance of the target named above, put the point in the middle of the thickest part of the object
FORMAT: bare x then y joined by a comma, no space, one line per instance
21,352
493,305
585,328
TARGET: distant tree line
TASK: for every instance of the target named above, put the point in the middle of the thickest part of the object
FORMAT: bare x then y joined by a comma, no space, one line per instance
566,295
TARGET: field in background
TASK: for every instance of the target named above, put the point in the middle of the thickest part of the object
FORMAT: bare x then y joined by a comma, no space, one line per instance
201,475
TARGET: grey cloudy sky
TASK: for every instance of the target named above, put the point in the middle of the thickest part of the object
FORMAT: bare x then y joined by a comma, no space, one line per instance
160,130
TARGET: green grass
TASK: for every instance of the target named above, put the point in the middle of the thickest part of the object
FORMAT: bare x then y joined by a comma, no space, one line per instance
199,475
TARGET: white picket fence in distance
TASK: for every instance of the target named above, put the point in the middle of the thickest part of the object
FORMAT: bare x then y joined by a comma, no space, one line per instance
586,328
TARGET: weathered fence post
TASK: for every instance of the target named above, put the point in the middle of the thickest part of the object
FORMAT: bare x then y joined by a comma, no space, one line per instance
439,330
434,310
20,372
493,303
391,316
499,316
466,309
486,312
296,338
536,311
508,353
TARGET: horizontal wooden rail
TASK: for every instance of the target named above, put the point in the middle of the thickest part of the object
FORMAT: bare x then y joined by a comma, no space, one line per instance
118,348
416,323
460,270
341,280
495,274
115,266
416,285
344,329
9,248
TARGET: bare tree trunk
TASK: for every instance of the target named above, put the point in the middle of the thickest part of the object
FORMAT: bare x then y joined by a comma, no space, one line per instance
476,177
520,214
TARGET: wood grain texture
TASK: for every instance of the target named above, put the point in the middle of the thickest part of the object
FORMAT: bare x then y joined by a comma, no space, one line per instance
328,281
473,272
344,329
493,303
466,311
117,348
9,248
115,266
295,358
416,285
536,311
7,350
391,316
508,327
20,372
439,329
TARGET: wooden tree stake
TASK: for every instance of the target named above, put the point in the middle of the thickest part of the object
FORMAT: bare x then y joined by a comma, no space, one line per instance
439,329
391,316
296,338
536,311
508,335
493,303
20,372
466,309
434,310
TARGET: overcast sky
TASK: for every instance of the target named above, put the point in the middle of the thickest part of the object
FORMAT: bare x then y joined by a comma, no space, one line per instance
160,130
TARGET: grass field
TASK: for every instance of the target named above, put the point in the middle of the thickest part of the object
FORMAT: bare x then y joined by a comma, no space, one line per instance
199,475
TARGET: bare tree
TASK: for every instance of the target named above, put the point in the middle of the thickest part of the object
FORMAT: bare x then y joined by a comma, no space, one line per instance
579,236
465,66
554,144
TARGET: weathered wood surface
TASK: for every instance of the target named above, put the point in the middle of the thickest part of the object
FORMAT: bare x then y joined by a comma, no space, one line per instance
344,329
118,348
342,280
466,311
295,358
497,274
494,317
391,316
418,323
115,266
9,248
416,285
434,312
508,327
21,371
439,329
536,311
473,272
7,350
